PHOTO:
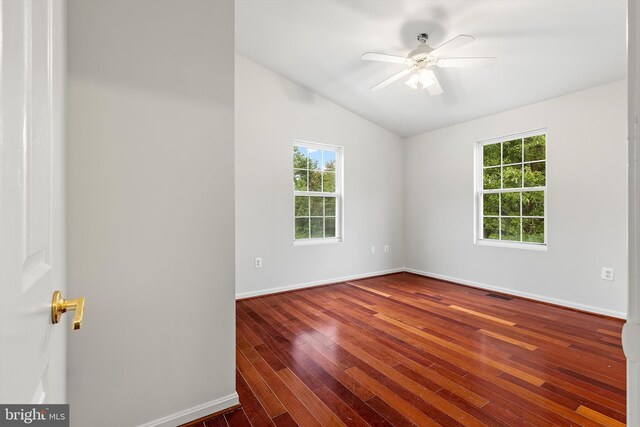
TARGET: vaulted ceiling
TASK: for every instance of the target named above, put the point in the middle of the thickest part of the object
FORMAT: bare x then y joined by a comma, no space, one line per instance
545,48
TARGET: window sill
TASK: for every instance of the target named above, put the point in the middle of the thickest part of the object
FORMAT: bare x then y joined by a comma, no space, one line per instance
310,242
515,245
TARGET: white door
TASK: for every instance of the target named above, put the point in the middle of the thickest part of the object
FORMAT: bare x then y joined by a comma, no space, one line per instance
631,331
32,253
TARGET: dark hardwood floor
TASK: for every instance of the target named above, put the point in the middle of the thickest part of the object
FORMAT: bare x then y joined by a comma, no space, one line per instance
406,350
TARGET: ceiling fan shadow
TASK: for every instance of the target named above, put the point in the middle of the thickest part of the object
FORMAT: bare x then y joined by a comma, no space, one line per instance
379,10
547,32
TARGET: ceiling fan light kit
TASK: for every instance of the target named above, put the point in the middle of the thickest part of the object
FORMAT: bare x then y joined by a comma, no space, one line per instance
421,79
424,57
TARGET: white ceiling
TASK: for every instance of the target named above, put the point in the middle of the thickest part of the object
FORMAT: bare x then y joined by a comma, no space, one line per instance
545,48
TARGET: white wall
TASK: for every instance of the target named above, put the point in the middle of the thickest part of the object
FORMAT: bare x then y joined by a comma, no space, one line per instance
151,197
586,212
271,112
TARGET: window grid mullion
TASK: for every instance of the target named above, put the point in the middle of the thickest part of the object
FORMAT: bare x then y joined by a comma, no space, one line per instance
500,216
520,216
314,194
501,166
309,210
501,187
522,178
513,190
514,216
324,213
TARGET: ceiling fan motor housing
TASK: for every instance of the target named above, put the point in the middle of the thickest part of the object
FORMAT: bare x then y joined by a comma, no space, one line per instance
421,52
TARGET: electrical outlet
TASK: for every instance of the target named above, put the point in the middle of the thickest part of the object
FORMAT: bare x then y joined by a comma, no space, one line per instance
373,250
607,273
257,263
386,249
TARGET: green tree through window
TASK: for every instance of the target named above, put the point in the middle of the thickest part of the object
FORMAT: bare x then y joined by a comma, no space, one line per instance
315,185
512,189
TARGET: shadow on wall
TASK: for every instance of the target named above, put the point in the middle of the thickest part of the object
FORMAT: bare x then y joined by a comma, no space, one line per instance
296,93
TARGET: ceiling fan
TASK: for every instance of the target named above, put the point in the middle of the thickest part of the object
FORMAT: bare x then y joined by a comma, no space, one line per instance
420,60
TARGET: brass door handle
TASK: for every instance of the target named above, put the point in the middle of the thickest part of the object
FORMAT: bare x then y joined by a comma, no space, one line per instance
60,306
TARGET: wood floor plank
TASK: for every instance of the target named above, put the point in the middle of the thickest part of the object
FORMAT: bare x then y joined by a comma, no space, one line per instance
341,408
384,294
324,415
420,374
607,332
484,316
391,398
598,417
216,422
389,413
254,411
260,388
463,351
424,393
504,416
325,363
406,350
507,339
293,405
608,408
237,419
580,387
285,420
337,387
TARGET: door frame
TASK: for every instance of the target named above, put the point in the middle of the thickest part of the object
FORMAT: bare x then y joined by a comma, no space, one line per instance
631,329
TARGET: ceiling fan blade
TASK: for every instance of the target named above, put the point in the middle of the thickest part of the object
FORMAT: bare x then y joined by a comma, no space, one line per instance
452,44
391,79
434,88
383,57
471,62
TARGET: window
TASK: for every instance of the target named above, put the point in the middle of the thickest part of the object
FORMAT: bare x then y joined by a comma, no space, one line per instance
317,188
512,191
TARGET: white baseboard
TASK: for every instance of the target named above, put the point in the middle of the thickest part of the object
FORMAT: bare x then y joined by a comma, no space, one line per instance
570,304
261,292
195,412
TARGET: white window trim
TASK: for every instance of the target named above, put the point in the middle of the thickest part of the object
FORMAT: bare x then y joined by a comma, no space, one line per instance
478,192
339,194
